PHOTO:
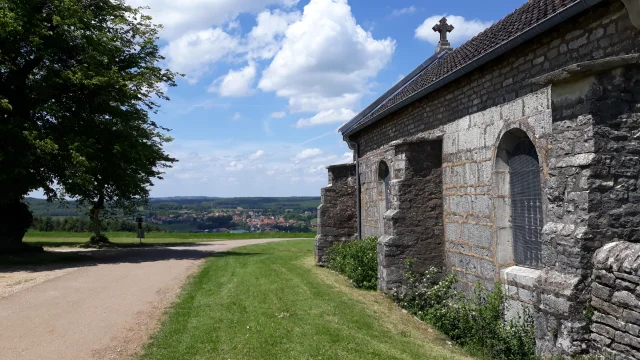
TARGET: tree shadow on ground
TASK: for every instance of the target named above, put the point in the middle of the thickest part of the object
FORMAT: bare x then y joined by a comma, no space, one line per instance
54,260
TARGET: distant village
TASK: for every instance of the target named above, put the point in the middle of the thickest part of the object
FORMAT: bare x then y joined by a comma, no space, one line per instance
237,220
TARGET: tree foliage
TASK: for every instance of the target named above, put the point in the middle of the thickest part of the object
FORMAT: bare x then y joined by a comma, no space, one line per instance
78,79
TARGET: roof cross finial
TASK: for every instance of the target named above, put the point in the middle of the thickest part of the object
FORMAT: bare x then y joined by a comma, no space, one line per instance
443,28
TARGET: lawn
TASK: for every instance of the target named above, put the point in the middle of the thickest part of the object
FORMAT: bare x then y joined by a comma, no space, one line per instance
56,239
270,302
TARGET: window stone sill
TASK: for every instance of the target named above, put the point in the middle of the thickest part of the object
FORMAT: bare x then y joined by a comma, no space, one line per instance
520,276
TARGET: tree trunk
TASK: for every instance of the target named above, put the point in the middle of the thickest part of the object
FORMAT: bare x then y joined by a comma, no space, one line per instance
96,223
14,222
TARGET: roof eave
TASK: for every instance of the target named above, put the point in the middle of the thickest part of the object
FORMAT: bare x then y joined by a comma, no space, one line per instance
546,24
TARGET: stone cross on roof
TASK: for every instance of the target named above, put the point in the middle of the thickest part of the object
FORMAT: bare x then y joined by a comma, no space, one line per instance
443,28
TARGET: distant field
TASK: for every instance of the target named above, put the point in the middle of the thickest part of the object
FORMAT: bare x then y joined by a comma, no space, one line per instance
55,238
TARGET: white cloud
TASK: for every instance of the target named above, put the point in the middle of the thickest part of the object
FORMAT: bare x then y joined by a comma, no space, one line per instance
315,103
326,59
202,168
463,29
278,115
236,116
308,153
236,83
235,166
264,40
327,117
408,10
257,155
233,25
183,16
316,169
192,53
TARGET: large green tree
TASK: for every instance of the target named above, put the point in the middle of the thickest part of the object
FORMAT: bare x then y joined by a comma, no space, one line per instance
121,158
67,69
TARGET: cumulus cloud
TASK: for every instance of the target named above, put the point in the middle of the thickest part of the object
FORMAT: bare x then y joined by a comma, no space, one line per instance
278,115
192,53
308,153
236,116
327,117
236,83
257,155
180,17
326,59
263,41
408,10
463,31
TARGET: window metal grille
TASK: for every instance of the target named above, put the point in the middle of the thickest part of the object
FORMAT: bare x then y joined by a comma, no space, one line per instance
385,176
526,204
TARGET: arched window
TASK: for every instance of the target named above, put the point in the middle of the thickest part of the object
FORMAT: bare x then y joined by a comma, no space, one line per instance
384,176
526,203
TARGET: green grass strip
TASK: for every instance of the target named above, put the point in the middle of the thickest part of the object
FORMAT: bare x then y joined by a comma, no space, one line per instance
270,302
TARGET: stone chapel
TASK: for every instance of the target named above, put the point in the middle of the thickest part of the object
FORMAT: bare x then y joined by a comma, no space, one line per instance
515,158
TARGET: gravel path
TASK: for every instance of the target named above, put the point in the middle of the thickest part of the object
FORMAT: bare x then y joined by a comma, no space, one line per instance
105,310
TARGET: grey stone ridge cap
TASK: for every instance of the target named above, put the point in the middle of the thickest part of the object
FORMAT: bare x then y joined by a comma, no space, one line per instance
389,93
340,165
523,36
587,68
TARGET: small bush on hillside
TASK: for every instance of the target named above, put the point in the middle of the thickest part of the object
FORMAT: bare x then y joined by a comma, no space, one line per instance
475,322
357,260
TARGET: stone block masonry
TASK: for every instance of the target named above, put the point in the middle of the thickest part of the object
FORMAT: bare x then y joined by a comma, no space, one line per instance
337,217
413,224
615,299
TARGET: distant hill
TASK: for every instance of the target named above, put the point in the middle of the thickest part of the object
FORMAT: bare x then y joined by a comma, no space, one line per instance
41,207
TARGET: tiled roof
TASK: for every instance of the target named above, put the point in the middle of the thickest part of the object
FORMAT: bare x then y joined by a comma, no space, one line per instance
512,25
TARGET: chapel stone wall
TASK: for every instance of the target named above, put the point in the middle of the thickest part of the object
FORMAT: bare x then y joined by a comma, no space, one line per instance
337,214
413,225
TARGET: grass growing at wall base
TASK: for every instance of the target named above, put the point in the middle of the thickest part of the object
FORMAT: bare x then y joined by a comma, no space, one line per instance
270,302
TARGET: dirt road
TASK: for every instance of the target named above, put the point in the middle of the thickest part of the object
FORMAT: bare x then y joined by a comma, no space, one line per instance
105,310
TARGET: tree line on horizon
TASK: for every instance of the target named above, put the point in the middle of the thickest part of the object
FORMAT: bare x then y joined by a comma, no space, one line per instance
78,225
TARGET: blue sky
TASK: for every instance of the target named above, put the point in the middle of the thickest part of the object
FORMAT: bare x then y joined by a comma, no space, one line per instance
268,82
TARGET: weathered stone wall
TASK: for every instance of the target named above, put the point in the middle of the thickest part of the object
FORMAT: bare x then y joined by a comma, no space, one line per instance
603,31
615,200
337,217
413,226
593,176
615,299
